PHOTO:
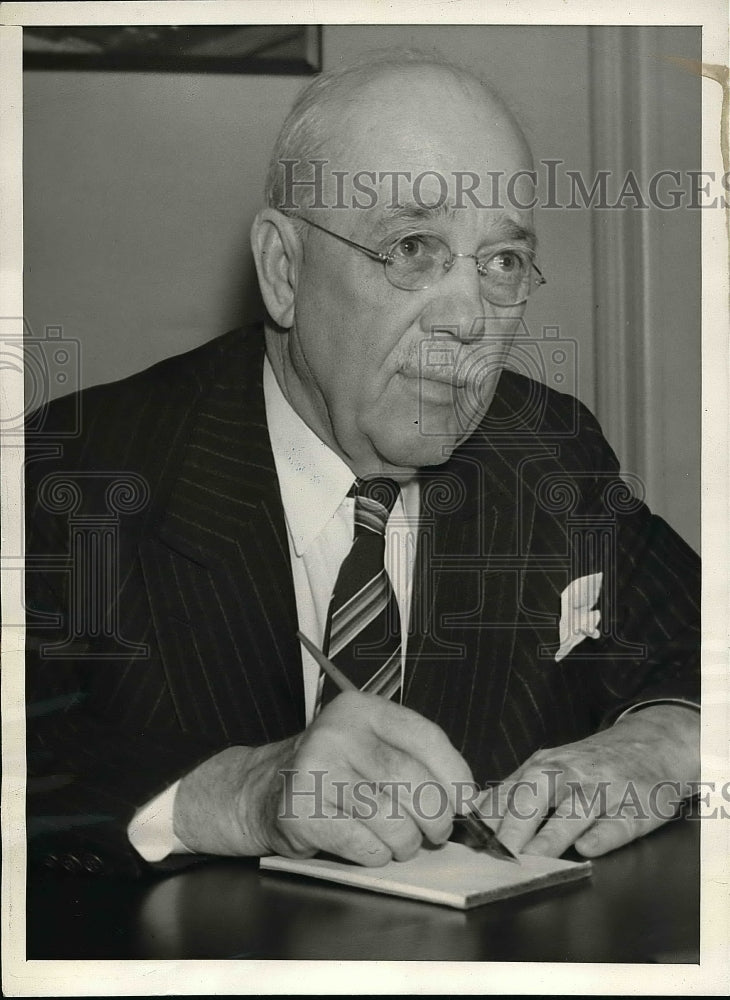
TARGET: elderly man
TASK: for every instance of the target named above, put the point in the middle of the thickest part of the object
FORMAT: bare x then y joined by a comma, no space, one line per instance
454,536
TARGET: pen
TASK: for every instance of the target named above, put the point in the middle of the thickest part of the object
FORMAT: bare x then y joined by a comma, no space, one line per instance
486,838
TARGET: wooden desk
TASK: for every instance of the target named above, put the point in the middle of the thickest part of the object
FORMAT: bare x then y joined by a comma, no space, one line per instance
642,905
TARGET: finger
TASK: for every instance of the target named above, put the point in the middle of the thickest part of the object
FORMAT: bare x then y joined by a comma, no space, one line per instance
330,812
577,810
343,836
352,720
425,742
611,832
414,790
384,816
492,803
409,755
408,787
522,817
337,795
563,828
311,817
528,801
392,787
408,790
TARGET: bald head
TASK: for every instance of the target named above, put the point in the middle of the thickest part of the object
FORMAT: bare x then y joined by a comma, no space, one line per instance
406,104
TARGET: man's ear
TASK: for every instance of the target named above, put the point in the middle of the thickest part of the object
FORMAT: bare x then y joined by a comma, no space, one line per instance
277,252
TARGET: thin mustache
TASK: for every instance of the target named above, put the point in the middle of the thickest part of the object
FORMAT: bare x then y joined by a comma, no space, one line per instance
433,375
463,371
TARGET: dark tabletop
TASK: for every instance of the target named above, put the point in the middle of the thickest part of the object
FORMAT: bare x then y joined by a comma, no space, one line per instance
641,905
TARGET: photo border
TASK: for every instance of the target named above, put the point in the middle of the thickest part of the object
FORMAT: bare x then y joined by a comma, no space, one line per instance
136,978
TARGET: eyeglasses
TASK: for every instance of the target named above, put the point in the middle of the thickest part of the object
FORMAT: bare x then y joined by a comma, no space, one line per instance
418,260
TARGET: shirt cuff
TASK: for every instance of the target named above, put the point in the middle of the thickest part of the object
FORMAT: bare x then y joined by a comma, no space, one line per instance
656,701
151,832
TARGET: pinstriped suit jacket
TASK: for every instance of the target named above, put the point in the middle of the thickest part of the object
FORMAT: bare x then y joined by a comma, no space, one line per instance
185,642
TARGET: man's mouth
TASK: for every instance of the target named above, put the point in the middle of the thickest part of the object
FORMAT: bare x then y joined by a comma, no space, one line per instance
428,374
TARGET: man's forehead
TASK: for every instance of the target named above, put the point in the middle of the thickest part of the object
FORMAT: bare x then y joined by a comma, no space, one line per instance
409,115
401,143
417,165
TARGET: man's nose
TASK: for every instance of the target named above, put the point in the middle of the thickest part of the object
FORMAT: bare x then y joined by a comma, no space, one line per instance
456,305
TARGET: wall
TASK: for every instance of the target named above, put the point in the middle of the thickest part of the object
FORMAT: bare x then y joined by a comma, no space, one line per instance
140,190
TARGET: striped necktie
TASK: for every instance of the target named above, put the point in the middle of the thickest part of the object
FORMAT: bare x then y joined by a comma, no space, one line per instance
363,631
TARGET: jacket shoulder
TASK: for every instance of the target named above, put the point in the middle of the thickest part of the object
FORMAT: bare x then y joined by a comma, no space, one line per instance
526,406
131,420
526,414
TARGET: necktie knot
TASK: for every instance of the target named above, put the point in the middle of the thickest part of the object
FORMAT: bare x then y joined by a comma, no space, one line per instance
374,500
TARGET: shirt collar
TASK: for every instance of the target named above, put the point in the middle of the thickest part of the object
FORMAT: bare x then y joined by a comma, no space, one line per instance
313,480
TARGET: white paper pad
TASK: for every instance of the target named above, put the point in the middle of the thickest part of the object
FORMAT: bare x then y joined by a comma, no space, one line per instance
452,875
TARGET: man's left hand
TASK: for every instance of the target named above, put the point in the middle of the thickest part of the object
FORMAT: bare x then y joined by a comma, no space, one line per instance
603,791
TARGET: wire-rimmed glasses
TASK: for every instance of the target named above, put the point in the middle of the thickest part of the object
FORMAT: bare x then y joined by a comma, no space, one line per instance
420,259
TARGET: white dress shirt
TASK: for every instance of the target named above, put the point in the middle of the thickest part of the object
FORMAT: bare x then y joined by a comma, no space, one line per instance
319,515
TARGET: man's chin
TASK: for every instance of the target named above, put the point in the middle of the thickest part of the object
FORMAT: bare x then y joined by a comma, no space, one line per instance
418,451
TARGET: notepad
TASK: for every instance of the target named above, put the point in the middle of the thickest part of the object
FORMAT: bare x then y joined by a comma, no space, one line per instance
452,875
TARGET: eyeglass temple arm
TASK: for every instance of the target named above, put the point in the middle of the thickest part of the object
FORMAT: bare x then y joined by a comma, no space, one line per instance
384,258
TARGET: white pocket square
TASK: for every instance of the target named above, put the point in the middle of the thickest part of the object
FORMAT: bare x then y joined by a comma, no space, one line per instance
577,619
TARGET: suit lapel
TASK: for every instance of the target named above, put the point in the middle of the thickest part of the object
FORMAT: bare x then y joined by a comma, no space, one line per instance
470,624
464,591
218,572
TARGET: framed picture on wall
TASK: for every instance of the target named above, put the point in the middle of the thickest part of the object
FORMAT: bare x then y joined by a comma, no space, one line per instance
202,48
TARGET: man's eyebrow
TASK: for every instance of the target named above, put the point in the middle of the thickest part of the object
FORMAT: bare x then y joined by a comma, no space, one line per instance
501,228
413,212
507,229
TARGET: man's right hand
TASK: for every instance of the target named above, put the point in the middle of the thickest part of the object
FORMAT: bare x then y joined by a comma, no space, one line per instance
239,802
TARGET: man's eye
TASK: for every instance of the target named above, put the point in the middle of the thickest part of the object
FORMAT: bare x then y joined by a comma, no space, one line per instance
506,263
409,246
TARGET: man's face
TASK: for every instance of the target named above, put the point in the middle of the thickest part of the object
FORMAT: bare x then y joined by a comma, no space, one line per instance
395,379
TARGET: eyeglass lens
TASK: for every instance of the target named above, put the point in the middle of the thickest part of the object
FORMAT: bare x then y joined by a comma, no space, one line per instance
421,259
